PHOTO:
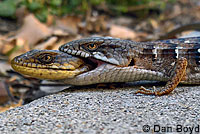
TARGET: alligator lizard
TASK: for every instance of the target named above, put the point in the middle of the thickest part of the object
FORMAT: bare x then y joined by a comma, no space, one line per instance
106,59
178,60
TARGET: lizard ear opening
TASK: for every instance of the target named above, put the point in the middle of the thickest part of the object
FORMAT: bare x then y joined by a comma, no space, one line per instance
132,62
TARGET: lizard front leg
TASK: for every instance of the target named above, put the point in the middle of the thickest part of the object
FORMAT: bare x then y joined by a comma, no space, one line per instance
177,75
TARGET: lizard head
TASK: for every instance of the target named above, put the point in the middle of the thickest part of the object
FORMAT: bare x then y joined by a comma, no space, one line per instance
107,49
49,64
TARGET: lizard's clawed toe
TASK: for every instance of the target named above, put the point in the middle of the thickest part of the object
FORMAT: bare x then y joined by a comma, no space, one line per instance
143,90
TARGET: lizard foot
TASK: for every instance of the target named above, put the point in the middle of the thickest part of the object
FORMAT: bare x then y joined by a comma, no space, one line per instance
178,73
143,90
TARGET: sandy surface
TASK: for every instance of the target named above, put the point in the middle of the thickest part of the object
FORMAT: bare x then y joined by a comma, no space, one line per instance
84,110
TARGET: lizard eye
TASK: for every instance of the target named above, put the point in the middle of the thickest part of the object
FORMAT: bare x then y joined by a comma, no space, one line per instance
92,46
45,58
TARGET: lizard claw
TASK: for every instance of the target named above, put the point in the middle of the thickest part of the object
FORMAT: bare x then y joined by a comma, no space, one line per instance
143,90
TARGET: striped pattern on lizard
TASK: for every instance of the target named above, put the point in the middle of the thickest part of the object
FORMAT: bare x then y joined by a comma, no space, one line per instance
176,59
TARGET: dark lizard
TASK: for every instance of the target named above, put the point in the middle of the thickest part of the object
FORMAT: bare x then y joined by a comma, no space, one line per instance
178,60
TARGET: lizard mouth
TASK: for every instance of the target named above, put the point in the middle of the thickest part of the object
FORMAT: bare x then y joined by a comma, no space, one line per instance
61,66
56,65
94,63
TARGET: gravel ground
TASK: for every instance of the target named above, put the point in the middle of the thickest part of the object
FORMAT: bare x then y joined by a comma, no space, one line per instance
85,110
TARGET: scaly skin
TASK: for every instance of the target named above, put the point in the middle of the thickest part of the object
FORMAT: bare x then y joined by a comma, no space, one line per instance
160,56
75,71
177,59
48,64
113,60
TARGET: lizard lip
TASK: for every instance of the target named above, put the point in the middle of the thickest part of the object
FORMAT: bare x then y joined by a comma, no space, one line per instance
76,52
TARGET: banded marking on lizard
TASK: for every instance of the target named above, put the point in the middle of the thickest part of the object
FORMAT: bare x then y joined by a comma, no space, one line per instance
177,59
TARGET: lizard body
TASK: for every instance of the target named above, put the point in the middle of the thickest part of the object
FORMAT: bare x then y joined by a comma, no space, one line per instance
177,59
106,60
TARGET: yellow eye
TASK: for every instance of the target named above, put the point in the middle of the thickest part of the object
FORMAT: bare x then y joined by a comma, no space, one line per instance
92,46
46,58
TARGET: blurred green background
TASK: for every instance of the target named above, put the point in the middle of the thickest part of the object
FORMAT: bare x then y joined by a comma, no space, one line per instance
43,8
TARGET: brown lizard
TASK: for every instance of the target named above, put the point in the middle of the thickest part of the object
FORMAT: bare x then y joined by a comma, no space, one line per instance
176,59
